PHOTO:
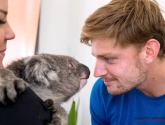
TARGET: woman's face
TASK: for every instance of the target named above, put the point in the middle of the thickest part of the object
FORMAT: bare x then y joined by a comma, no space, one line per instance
6,32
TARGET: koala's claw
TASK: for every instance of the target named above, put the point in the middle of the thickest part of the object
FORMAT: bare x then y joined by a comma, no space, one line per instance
56,121
49,103
59,115
20,85
10,85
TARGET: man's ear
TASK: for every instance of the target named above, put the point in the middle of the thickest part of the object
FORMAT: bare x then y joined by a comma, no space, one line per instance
151,49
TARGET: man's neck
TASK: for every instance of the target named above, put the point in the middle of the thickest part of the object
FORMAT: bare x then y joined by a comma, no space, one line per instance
154,85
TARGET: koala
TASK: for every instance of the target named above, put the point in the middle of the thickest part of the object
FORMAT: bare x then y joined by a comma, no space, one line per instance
55,77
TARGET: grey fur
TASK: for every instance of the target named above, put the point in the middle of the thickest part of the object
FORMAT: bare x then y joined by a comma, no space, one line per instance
55,77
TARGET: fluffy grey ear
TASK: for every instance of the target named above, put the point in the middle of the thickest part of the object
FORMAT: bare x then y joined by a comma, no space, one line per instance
39,71
34,72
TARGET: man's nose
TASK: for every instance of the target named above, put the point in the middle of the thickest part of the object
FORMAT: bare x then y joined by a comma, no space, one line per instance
100,69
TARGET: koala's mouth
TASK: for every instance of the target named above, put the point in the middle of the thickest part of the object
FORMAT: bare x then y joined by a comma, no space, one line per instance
83,82
84,77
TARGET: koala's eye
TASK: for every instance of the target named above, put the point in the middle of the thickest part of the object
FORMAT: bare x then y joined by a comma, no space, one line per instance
71,65
51,67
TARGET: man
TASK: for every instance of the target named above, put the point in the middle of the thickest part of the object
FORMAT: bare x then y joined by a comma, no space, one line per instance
128,40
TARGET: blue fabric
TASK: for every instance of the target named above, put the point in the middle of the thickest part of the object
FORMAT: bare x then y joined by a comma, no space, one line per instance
131,108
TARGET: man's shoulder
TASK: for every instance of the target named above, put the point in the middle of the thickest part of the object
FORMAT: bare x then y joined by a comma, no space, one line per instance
99,90
99,85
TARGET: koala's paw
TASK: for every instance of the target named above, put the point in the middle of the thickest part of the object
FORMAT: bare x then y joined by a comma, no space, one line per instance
49,104
10,85
59,115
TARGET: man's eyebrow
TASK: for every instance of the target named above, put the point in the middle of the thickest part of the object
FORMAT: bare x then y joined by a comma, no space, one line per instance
3,11
104,54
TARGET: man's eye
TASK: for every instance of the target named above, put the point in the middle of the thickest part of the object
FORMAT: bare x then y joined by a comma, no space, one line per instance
2,22
109,60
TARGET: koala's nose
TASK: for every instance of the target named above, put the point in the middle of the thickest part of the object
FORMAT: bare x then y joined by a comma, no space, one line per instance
85,70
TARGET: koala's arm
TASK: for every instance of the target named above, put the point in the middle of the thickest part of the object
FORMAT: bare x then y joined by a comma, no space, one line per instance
10,85
59,115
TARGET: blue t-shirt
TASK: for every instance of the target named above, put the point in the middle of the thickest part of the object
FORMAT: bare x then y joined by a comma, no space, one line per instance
131,108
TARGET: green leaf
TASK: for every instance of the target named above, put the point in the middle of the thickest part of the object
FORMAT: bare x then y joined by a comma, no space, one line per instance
77,110
73,113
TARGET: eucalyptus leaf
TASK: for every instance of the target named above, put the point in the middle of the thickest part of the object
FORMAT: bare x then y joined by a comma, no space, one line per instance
73,113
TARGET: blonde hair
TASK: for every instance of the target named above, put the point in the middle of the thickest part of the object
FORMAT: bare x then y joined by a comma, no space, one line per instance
128,21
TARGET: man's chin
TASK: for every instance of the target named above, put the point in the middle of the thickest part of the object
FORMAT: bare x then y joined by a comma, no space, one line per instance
117,92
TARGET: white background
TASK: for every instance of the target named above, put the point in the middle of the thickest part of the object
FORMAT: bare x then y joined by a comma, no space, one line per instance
59,33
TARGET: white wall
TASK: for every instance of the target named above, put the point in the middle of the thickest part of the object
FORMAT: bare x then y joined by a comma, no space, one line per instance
162,5
59,33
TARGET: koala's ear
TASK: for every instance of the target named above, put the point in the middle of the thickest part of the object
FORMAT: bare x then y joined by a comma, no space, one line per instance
34,71
41,73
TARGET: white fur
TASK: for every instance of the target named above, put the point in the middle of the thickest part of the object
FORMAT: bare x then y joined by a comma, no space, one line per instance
52,75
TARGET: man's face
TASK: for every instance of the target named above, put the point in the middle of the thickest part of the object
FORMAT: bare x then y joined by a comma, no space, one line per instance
121,68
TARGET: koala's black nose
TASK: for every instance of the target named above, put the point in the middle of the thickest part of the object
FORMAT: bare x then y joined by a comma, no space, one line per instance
86,70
